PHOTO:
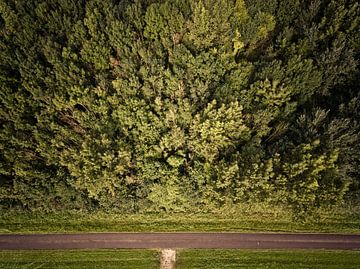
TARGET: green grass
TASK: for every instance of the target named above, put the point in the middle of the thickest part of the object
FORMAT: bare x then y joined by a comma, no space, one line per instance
186,259
79,259
240,219
280,259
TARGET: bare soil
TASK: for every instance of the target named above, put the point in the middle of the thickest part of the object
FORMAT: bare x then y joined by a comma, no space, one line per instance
167,259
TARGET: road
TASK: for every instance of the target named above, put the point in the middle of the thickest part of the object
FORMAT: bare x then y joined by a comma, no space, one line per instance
181,240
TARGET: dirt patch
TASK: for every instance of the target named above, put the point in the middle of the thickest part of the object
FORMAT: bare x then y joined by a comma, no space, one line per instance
167,259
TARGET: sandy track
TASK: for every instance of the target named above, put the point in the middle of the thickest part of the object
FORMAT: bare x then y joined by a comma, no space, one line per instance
180,240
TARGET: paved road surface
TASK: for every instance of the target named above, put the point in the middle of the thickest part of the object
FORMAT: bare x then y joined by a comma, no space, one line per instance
180,240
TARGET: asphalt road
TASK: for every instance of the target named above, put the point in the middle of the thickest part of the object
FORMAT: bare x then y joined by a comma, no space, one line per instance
181,240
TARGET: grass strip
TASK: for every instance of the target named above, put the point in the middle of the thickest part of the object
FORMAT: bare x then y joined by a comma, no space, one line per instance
79,259
340,221
269,259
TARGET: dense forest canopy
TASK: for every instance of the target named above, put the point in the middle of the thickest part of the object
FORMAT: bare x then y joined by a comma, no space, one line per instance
179,105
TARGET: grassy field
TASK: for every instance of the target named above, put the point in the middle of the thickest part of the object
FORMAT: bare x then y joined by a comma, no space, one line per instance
79,259
186,259
299,259
240,219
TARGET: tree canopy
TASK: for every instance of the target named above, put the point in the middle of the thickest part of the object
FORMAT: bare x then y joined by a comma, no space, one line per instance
179,105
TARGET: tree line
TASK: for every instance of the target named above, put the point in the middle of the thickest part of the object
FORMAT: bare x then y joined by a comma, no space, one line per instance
179,105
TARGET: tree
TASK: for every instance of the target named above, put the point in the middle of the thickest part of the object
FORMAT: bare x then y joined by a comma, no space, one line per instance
178,105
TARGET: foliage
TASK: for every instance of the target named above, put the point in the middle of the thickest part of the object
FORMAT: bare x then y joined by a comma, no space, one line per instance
174,105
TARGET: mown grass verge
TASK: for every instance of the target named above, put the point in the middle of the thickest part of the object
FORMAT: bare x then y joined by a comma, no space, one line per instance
245,219
79,259
269,259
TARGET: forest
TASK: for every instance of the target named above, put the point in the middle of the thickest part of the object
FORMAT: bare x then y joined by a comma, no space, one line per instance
179,105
